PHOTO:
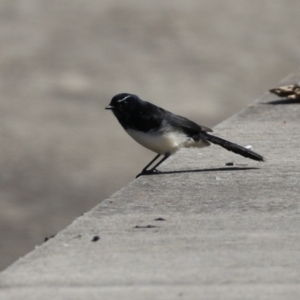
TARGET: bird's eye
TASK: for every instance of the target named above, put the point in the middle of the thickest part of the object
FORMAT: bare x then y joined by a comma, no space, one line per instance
123,102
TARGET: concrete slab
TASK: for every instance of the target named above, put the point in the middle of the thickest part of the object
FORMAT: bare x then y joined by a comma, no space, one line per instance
199,230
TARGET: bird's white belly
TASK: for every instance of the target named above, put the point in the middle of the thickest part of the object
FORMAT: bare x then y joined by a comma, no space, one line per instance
169,142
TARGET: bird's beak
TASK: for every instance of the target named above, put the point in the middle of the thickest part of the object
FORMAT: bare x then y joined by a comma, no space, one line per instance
109,107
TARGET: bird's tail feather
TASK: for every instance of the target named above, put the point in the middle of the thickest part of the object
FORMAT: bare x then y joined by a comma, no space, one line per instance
233,147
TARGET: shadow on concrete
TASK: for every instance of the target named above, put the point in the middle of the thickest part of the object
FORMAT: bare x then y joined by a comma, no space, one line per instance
202,170
282,101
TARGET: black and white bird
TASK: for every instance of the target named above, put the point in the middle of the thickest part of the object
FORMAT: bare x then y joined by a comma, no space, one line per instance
164,132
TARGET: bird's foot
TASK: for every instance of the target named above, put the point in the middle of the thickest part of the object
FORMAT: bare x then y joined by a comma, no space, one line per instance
148,172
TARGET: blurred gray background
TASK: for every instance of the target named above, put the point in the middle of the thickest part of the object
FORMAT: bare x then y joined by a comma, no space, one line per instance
62,61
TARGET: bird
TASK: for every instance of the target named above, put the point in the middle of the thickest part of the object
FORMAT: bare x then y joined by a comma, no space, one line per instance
163,132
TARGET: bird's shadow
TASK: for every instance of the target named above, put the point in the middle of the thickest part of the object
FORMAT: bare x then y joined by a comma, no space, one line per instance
199,171
283,101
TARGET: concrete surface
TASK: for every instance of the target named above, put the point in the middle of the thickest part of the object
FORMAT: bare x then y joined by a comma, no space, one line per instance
226,233
62,61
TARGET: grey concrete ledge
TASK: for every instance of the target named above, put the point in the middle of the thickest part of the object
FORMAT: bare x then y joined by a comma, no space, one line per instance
227,232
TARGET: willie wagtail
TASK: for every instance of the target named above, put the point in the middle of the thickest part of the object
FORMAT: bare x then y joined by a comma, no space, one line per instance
164,132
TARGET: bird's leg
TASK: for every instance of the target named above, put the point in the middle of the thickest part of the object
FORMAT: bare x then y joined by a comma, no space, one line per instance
161,161
151,162
153,169
144,171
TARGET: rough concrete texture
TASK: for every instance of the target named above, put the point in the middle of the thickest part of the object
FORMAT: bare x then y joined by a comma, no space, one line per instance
199,230
61,62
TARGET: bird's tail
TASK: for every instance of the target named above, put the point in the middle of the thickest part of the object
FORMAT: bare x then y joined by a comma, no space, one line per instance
233,147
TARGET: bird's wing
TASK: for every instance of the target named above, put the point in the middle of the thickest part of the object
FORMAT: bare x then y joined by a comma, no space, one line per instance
187,126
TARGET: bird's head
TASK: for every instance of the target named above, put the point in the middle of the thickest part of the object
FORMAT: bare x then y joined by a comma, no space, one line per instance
124,103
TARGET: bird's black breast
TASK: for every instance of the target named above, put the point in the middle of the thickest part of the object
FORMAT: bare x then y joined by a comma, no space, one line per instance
145,117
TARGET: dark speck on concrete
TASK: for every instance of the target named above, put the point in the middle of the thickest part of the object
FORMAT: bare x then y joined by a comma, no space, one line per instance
95,238
146,226
48,238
